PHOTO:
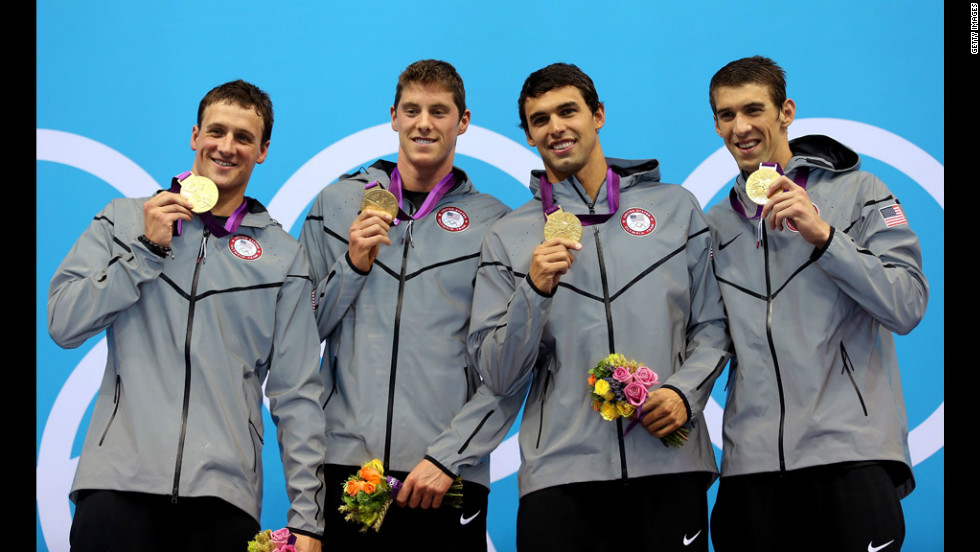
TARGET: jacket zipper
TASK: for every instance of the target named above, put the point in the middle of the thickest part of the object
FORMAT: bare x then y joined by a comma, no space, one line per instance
115,402
201,259
848,368
772,350
407,239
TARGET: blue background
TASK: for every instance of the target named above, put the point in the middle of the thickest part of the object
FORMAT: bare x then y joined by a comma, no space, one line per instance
130,75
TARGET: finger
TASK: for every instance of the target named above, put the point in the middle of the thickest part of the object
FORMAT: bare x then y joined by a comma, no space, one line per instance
404,493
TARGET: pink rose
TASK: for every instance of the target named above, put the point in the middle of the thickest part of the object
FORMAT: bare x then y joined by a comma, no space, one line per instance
281,536
645,377
286,548
622,375
636,393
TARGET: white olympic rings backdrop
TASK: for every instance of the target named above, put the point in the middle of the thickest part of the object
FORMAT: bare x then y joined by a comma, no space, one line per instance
55,463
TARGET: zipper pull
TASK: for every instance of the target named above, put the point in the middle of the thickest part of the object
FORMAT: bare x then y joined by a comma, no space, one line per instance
202,255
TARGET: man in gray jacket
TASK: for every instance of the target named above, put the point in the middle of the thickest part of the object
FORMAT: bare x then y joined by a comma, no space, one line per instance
816,273
639,284
199,308
393,302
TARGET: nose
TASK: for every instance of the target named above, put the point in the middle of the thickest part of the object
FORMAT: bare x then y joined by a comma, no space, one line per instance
425,121
556,126
227,143
742,125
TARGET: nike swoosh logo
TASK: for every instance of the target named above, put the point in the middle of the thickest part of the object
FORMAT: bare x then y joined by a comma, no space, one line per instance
873,548
688,541
464,520
727,243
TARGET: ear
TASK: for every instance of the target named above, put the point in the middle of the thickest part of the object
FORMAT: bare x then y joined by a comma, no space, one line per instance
599,117
195,132
788,112
530,141
394,120
717,128
464,122
263,151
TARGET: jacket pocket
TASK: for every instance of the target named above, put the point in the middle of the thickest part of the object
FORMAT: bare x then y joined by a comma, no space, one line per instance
115,407
848,368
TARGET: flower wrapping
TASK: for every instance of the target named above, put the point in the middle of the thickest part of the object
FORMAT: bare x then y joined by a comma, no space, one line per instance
619,386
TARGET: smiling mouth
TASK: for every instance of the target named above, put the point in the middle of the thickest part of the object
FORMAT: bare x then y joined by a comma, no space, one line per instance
423,141
221,163
562,145
747,145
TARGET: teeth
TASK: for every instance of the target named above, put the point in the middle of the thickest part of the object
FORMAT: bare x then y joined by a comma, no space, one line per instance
748,145
223,163
562,145
424,141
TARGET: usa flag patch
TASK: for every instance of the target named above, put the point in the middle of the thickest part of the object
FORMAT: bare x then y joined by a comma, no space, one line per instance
893,215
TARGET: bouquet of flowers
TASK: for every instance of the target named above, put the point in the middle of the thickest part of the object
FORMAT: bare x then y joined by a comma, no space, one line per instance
369,493
619,387
273,541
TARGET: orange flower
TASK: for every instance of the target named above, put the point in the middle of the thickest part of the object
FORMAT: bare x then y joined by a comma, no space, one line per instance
352,487
368,473
368,487
592,379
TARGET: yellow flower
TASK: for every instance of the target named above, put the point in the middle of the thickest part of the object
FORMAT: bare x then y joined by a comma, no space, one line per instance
601,387
609,411
377,465
625,409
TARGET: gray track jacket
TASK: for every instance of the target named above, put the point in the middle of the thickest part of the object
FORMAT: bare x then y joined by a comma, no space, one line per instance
191,339
816,380
399,382
638,287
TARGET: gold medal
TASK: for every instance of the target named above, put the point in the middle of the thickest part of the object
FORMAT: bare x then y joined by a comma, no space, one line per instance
380,199
561,224
758,184
200,191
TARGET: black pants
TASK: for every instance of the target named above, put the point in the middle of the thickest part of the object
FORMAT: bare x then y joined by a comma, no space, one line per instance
120,521
442,529
656,513
841,507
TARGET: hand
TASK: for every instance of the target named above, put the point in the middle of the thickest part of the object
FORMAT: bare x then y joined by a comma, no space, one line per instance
306,544
159,214
550,261
368,231
789,201
424,487
663,412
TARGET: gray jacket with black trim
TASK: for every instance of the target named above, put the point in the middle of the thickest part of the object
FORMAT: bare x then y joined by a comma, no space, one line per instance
400,384
648,294
191,339
816,380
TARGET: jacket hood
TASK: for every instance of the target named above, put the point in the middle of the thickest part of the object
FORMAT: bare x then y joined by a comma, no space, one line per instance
381,171
823,152
644,170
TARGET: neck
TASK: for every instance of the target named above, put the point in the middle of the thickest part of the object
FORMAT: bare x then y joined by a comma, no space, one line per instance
421,179
227,203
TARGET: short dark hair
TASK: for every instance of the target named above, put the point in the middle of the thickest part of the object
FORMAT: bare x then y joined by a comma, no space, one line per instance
433,71
751,70
556,75
244,94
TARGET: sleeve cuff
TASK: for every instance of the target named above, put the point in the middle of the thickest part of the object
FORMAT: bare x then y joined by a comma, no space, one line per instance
354,268
687,405
310,534
538,291
818,251
444,469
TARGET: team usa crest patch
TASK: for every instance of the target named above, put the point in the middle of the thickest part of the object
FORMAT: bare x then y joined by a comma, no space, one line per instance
638,222
244,247
893,215
791,226
452,219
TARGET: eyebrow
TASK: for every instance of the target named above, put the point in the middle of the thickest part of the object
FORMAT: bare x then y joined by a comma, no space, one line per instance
560,107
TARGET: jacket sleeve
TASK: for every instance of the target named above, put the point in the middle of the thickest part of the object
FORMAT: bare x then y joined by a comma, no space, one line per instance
101,277
507,322
295,391
708,342
337,283
878,266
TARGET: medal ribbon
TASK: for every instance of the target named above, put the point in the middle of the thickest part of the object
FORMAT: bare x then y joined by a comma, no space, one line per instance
209,220
800,179
431,200
612,195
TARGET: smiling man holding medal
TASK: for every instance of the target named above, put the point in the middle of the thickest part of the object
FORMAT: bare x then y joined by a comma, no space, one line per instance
203,297
394,250
623,267
817,266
